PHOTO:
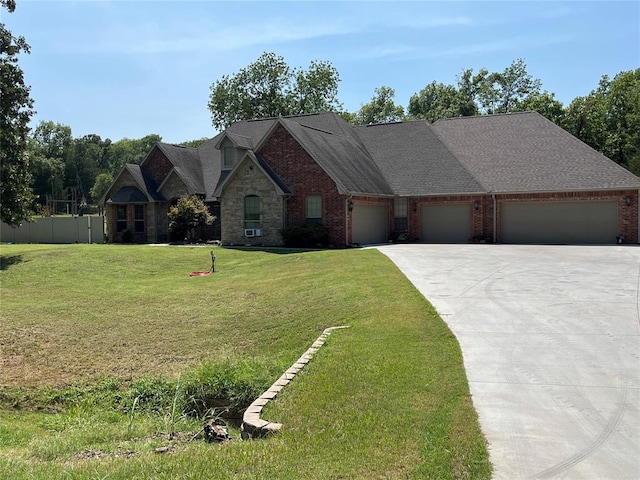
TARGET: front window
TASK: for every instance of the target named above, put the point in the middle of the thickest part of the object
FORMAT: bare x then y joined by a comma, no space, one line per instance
400,215
228,155
252,211
121,218
314,209
139,219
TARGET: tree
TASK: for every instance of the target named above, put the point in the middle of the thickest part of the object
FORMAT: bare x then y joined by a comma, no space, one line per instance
269,87
88,153
101,185
546,105
50,147
129,150
195,143
188,214
381,108
16,109
501,92
608,119
316,90
435,101
481,93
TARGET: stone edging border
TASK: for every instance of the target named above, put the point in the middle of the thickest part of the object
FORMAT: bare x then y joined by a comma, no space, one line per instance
254,426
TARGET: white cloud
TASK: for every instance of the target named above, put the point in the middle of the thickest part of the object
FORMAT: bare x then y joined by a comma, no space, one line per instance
417,52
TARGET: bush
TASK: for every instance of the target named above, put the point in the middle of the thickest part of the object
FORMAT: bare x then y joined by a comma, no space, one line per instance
188,214
126,235
305,235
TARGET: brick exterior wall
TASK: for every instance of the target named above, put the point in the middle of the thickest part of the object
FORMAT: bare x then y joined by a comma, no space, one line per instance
250,180
147,236
156,165
305,177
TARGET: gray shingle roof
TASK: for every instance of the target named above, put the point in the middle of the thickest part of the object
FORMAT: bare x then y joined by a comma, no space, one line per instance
414,160
128,194
525,152
509,153
343,157
186,161
211,164
273,175
146,183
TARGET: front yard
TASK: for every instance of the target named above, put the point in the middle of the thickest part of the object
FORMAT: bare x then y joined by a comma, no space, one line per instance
99,342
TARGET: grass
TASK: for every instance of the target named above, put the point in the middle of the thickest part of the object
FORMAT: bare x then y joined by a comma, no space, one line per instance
90,333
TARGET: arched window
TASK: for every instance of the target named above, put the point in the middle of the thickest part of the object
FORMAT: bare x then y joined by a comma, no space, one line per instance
251,211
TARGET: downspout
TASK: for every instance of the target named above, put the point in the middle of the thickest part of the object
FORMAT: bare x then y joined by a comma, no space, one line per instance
638,207
284,211
495,218
346,219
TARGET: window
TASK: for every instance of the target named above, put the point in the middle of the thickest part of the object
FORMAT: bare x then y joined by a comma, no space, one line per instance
314,209
400,215
228,155
121,218
138,219
252,211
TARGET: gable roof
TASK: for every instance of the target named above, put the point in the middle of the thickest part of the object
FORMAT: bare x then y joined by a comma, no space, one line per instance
186,163
343,157
263,166
329,140
525,152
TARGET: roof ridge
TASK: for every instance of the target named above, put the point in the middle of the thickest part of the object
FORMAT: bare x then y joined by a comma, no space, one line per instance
487,115
259,119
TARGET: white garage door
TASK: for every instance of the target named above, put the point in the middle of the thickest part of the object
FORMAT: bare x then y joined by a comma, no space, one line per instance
446,223
559,222
370,224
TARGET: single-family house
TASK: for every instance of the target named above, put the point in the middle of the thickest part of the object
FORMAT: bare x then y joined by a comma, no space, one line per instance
511,178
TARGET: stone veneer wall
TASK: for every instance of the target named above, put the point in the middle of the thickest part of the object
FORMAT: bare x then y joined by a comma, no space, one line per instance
250,180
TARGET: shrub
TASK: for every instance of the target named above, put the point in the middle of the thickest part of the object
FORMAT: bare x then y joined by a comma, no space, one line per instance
188,214
305,235
126,235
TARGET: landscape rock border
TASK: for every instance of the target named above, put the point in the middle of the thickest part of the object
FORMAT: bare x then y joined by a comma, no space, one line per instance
255,427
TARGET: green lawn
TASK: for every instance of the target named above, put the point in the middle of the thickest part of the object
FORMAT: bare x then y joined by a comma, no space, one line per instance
90,333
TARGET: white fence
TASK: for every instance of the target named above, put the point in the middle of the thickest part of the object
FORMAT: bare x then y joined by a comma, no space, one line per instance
85,229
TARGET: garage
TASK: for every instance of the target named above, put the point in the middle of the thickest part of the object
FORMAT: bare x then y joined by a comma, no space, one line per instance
446,223
586,222
370,224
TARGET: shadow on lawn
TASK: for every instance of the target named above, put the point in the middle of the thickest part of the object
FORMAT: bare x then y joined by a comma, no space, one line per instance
6,261
277,250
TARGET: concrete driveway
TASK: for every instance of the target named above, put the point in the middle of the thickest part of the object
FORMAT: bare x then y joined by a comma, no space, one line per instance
551,342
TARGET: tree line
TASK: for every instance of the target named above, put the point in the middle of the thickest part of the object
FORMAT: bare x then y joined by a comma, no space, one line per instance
608,119
47,162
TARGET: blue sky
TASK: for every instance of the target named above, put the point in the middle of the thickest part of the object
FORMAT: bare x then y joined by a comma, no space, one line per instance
131,68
